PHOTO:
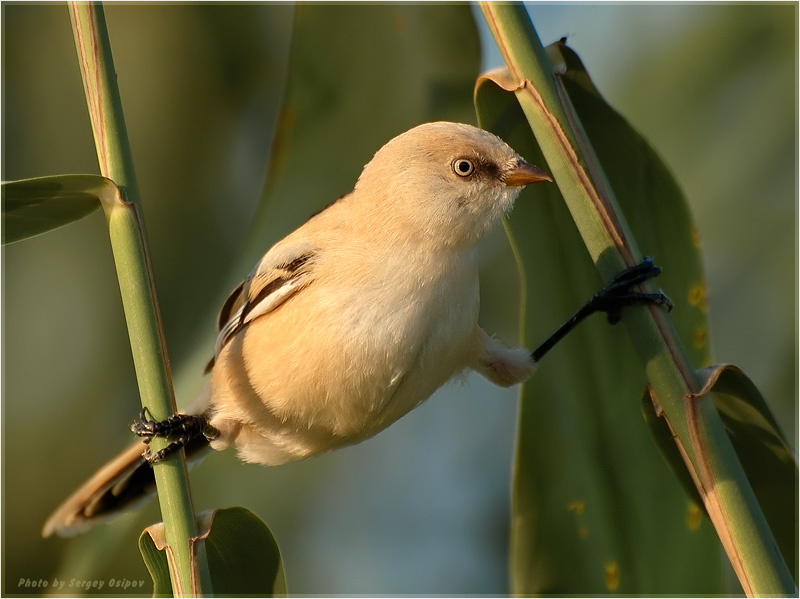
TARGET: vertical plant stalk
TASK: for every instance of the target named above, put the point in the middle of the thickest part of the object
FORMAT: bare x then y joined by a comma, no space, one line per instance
189,569
731,503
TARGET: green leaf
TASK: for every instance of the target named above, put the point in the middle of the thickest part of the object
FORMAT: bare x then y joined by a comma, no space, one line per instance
769,463
762,448
34,206
156,562
551,113
595,509
651,200
243,557
669,446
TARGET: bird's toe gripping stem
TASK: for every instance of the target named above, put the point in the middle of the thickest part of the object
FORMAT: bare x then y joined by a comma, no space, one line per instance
181,428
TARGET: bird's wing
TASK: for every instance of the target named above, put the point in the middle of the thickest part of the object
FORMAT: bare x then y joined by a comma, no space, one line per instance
282,272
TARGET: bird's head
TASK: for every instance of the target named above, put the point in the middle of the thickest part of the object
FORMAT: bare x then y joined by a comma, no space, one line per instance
445,181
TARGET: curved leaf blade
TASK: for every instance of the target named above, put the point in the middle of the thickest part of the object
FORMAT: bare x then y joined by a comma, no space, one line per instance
243,556
669,446
595,510
766,456
35,206
156,562
761,446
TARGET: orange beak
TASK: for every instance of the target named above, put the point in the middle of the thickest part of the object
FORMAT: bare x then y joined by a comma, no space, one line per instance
525,174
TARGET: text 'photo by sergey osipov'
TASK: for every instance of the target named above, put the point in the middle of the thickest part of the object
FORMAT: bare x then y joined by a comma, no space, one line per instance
399,299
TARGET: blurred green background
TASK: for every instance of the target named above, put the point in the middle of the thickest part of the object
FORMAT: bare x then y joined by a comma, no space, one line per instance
423,507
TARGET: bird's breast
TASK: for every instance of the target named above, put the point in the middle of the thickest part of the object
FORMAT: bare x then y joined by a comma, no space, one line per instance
344,358
409,332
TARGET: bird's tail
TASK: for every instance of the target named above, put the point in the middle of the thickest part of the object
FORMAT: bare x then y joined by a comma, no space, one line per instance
118,486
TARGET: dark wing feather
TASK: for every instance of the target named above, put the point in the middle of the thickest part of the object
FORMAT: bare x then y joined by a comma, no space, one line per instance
268,286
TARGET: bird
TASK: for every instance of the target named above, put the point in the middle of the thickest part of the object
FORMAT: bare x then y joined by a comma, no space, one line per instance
347,323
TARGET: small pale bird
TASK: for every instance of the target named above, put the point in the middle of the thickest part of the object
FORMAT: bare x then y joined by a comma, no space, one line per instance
355,318
349,322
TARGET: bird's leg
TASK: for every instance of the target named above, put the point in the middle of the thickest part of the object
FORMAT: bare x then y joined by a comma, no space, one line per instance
183,428
611,299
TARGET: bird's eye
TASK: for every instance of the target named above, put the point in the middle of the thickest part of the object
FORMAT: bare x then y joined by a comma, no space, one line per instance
463,167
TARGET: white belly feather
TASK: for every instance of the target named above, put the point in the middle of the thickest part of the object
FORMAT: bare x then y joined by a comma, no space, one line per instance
365,360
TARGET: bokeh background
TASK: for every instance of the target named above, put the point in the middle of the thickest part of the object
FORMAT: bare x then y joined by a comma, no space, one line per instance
422,508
